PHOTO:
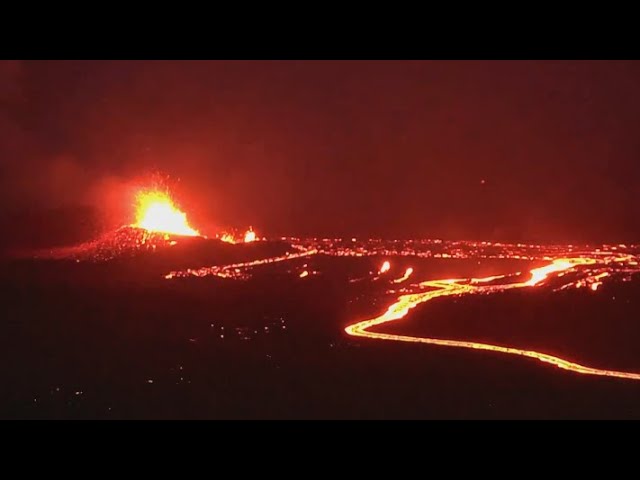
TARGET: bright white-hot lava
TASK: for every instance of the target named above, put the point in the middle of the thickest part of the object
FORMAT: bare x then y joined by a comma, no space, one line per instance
156,212
568,266
227,238
250,236
439,288
404,277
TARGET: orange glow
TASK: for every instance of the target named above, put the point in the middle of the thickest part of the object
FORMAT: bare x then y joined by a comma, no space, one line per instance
406,275
217,270
250,236
597,280
227,238
155,212
439,288
488,279
540,274
566,266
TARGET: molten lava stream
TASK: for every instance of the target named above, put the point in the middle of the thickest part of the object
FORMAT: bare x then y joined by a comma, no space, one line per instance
440,288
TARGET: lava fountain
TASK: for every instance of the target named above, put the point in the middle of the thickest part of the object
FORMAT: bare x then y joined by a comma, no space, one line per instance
250,236
156,212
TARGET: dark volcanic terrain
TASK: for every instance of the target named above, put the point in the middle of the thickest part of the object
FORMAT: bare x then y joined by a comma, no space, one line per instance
108,336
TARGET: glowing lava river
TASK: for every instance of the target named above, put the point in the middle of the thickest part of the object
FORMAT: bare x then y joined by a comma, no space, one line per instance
441,288
587,269
158,221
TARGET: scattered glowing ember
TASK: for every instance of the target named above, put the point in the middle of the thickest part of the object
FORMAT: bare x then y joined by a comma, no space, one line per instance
155,212
576,267
237,268
597,280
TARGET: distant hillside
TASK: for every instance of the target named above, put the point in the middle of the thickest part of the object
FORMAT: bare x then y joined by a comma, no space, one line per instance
49,228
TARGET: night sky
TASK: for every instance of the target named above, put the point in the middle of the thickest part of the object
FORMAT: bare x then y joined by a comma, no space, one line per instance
500,150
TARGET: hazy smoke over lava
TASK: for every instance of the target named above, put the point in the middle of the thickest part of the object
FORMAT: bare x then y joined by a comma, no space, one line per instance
35,173
495,150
